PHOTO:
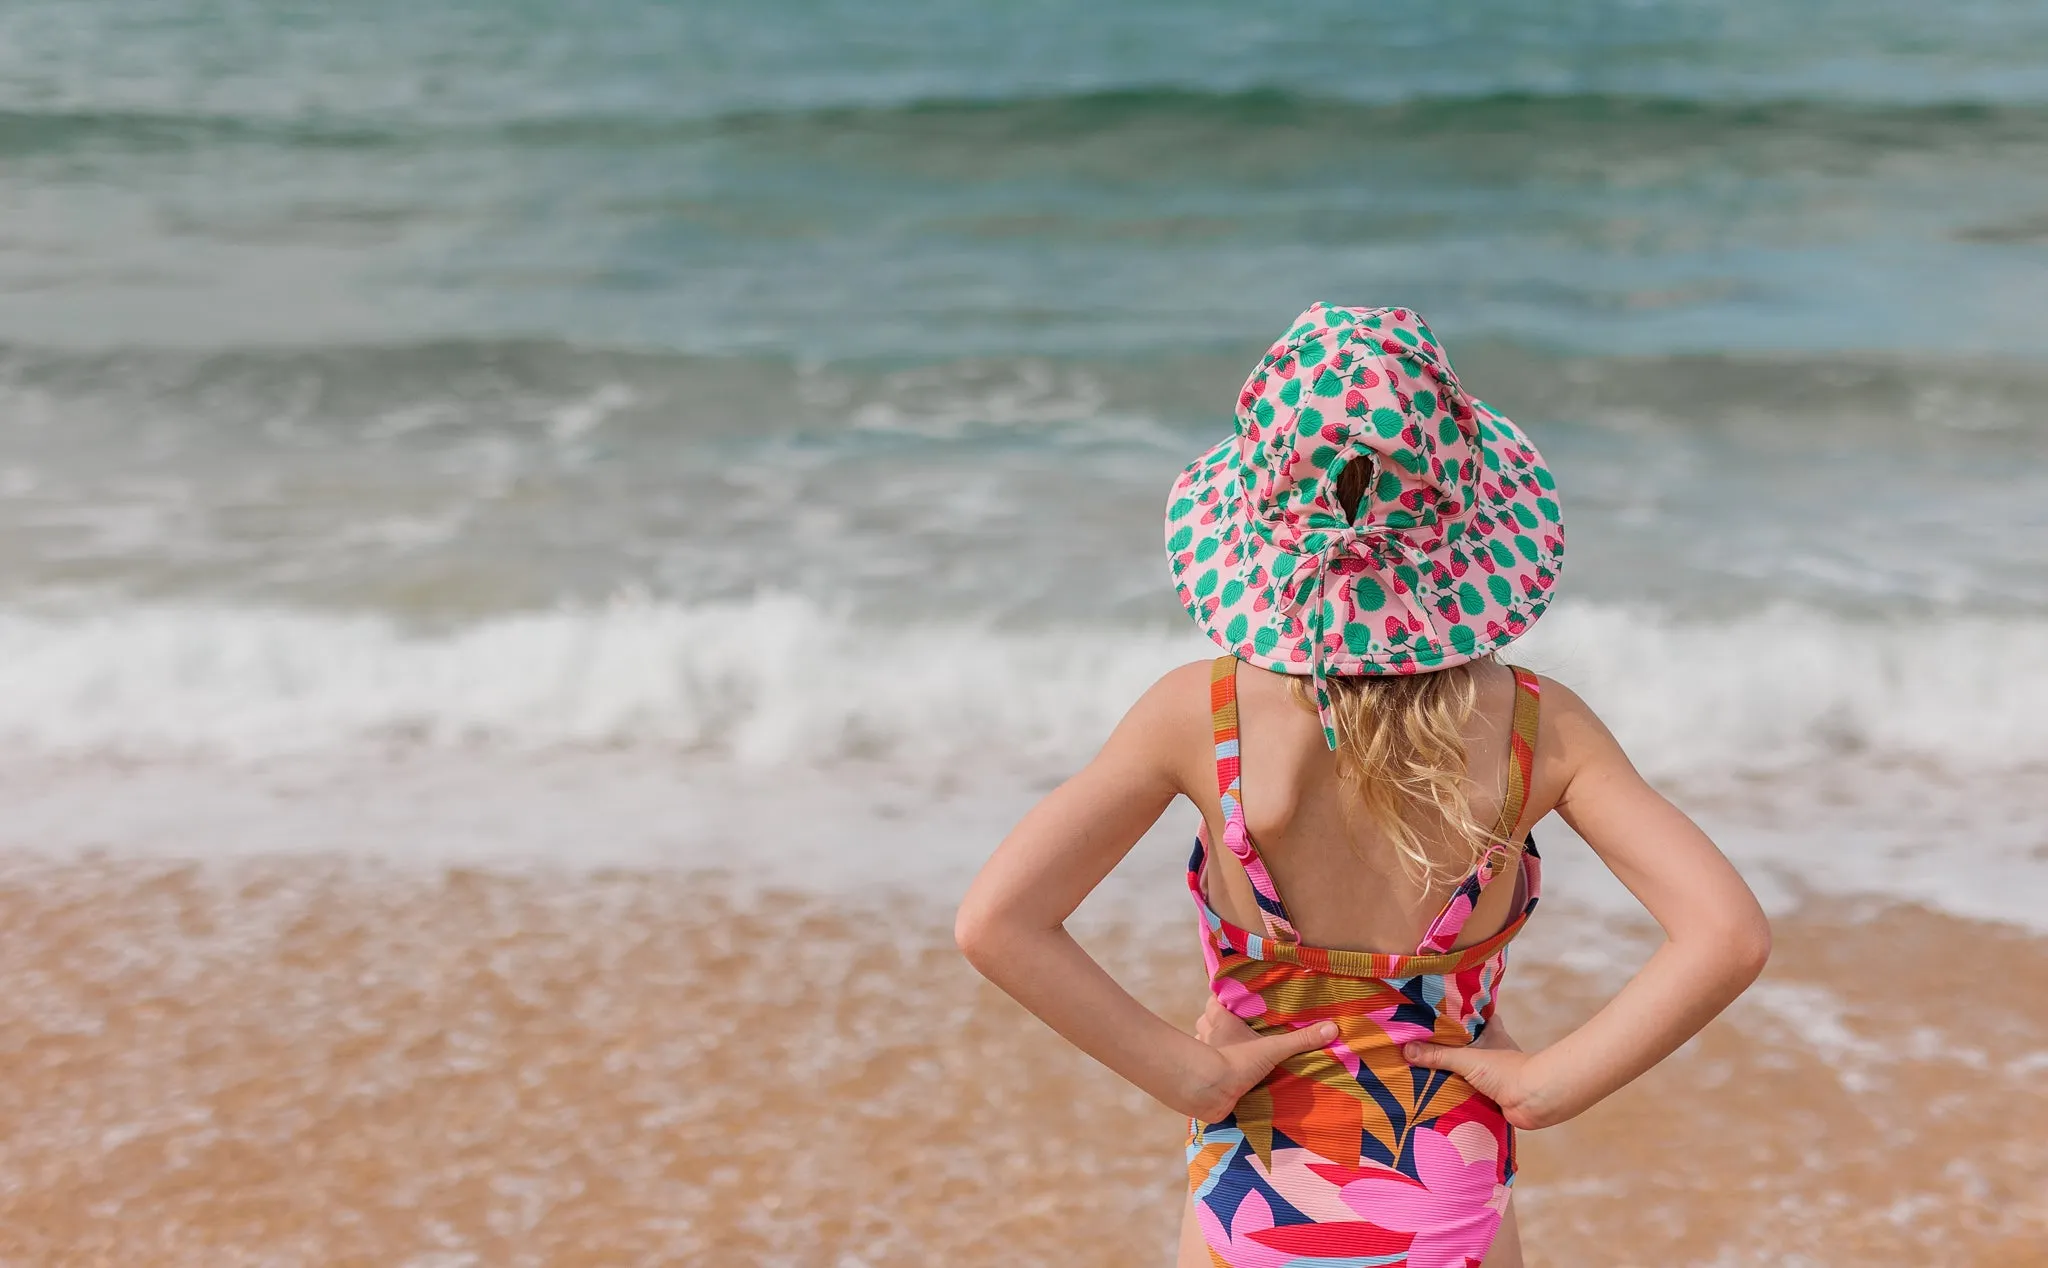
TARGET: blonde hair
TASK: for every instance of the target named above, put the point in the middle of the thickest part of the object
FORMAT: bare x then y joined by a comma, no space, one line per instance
1401,746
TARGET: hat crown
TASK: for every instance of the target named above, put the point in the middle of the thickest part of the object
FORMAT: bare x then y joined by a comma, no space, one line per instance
1345,382
1453,552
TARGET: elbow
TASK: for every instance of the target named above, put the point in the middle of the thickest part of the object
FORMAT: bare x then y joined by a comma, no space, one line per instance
974,932
1749,947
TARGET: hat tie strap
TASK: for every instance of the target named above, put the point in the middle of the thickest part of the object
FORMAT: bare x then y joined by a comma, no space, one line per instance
1364,543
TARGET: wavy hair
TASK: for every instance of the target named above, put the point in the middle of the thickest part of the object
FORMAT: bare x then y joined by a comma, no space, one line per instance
1401,745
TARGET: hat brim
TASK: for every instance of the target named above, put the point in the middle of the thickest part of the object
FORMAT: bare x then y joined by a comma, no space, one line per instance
1490,573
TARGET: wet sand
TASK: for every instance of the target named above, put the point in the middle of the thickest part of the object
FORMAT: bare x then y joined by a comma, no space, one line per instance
307,1061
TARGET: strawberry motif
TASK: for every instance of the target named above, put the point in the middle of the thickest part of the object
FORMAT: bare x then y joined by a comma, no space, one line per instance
1451,479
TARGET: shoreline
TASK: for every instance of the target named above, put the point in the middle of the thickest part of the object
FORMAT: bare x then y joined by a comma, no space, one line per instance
321,1059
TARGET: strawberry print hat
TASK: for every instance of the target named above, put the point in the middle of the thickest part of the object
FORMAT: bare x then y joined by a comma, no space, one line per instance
1456,547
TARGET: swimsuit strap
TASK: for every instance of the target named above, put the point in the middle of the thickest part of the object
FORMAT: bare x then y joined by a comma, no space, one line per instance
1230,790
1450,922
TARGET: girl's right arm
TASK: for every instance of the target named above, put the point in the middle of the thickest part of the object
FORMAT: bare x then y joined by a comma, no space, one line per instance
1717,938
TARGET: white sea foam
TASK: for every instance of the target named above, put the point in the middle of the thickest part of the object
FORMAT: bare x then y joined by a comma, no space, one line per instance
811,749
783,679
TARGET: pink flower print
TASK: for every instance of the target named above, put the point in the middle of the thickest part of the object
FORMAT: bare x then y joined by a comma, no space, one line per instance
1240,999
1453,1210
1399,1031
1235,1246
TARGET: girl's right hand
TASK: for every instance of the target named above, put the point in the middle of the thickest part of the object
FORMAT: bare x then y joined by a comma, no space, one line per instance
1247,1057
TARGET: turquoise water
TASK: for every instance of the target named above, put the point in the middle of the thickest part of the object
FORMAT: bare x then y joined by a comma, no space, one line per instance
911,181
445,315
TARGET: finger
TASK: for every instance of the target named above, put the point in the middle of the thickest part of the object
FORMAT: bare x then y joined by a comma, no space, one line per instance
1292,1043
1436,1056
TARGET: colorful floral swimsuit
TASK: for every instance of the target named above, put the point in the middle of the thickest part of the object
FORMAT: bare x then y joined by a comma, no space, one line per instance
1348,1156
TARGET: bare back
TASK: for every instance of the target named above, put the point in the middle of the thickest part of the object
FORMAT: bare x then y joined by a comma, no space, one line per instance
1344,884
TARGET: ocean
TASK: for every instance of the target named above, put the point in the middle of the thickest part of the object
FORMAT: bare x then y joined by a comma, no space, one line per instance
541,544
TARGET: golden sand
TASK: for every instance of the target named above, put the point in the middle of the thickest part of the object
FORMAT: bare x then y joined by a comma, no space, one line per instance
305,1062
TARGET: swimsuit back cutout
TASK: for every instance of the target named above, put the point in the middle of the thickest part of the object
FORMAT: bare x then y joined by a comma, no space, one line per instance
1347,1154
1457,909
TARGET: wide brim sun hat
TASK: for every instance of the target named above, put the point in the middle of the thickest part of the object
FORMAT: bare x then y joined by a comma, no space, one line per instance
1457,545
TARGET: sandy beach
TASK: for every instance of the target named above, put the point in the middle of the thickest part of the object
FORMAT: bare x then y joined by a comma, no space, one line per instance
317,1061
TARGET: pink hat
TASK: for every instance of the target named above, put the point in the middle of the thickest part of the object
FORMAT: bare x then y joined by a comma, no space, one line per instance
1456,547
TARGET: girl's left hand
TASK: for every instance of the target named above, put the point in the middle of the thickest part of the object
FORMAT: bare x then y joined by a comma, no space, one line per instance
1220,1028
1248,1056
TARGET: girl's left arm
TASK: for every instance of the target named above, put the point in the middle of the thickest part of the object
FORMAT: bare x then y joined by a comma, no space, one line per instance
1012,923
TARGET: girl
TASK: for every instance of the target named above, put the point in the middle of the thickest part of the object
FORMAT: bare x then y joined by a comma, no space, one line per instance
1369,537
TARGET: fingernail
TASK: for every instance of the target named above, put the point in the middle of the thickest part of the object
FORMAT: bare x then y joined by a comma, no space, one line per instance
1328,1030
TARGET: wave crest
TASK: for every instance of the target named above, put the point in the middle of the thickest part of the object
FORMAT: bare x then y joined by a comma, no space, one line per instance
782,679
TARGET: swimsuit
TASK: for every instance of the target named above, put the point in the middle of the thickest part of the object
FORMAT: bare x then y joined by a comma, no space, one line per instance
1347,1156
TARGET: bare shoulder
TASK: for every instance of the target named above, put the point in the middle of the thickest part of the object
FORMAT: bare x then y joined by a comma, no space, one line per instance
1571,737
1167,730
